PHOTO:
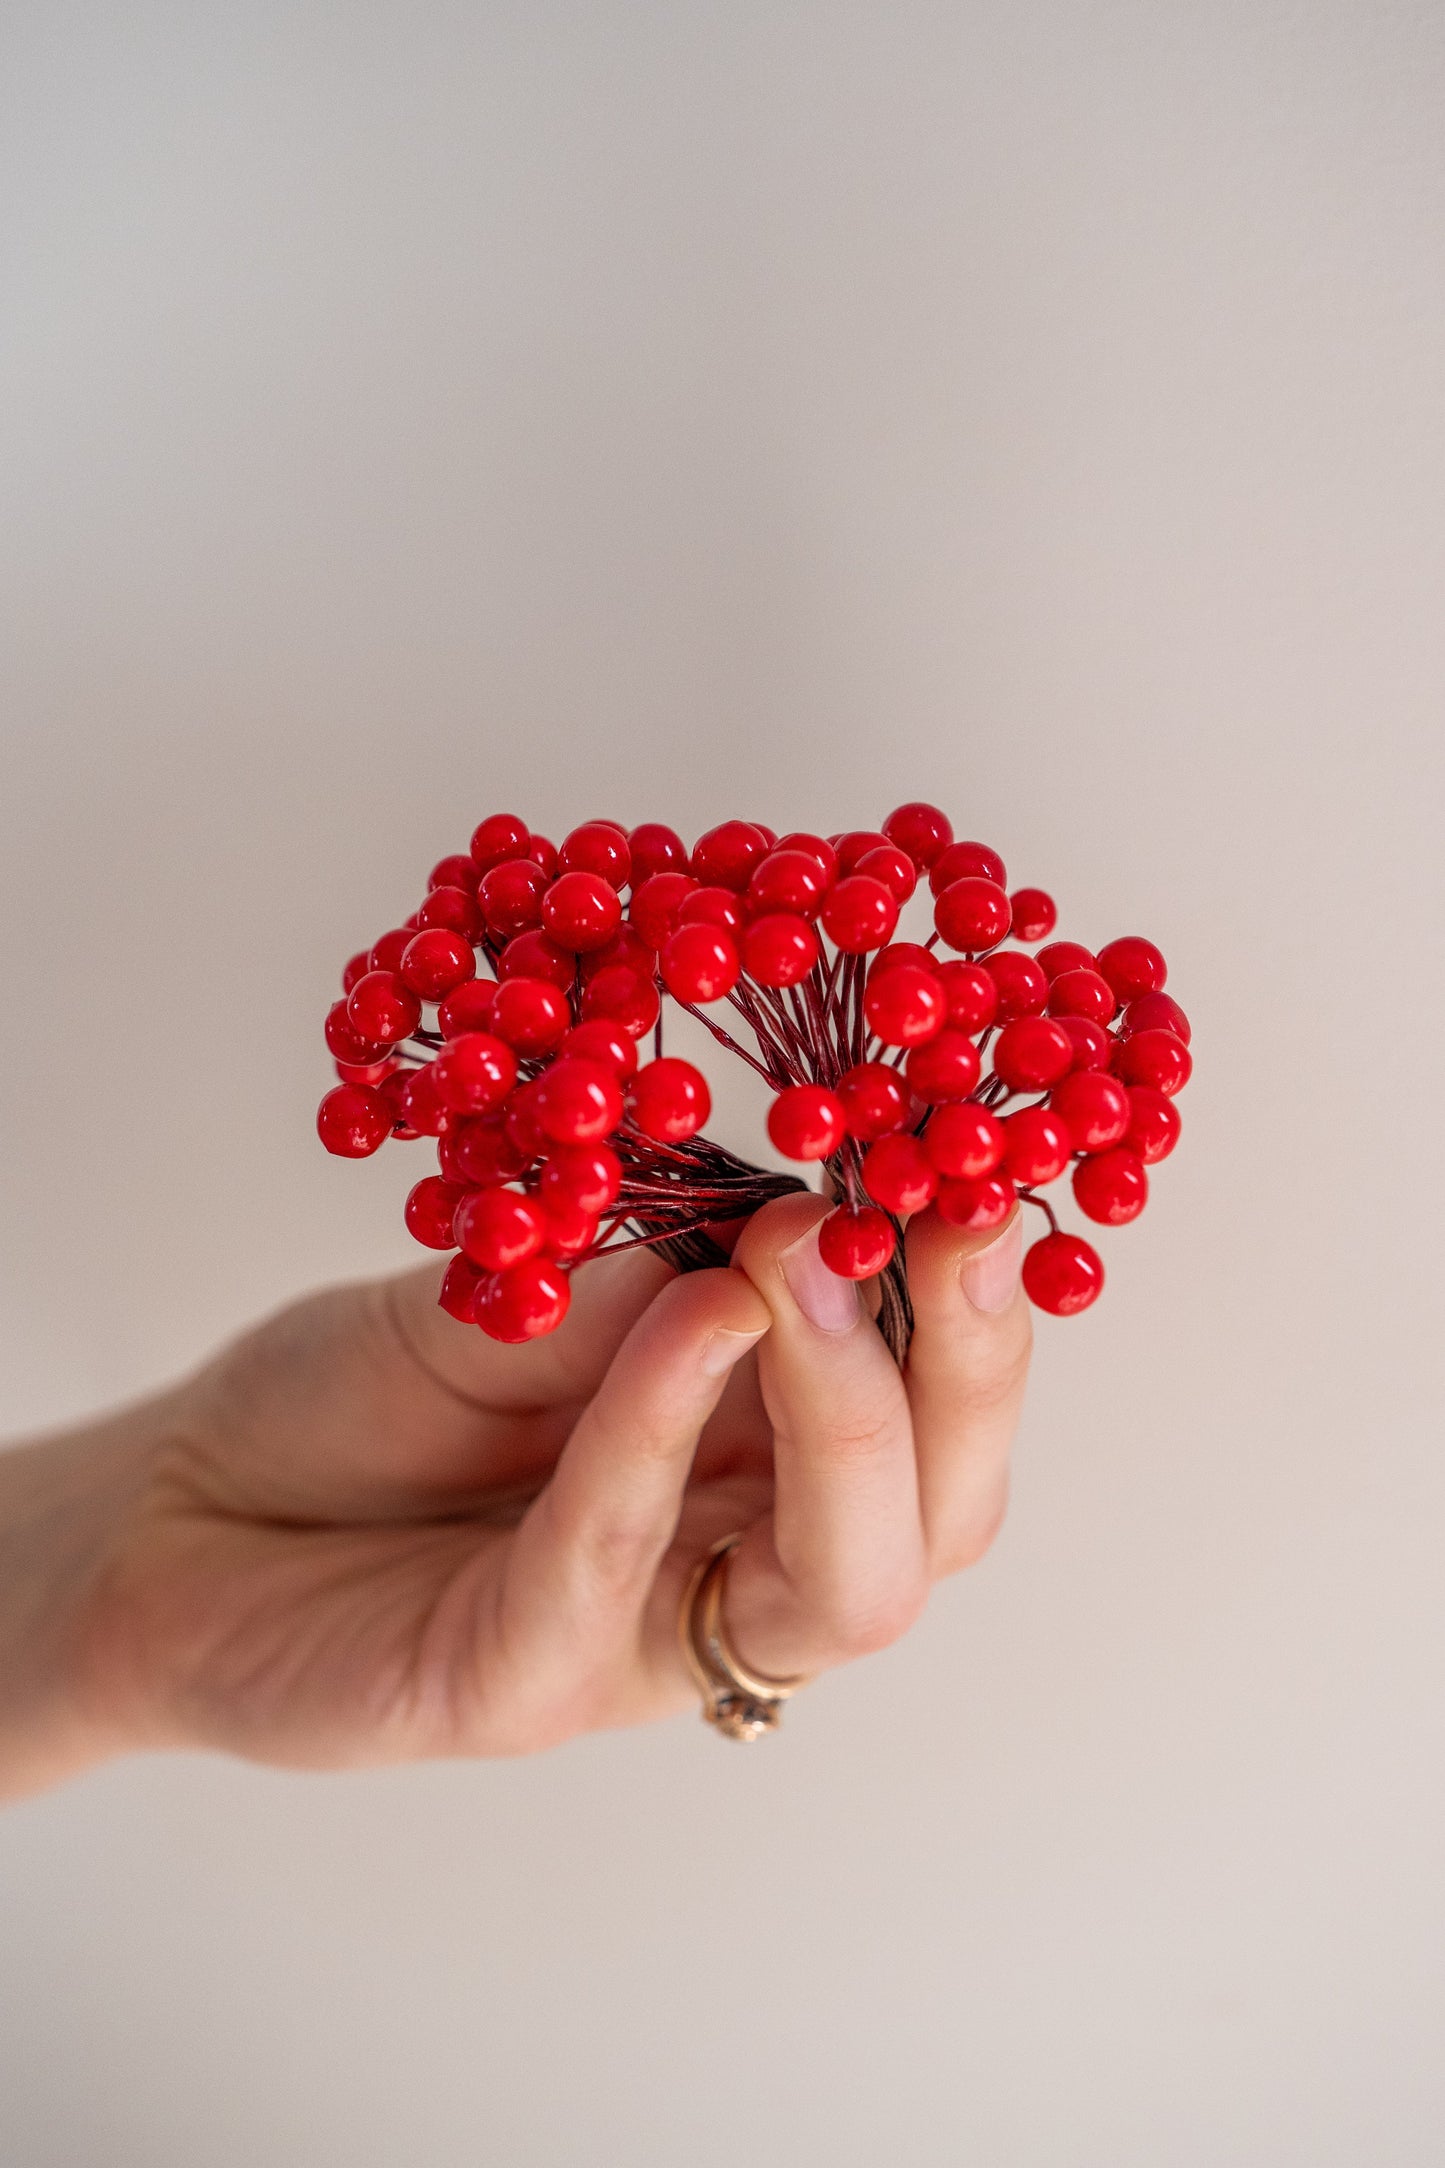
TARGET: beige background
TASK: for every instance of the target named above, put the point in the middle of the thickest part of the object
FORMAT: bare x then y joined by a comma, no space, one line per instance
669,410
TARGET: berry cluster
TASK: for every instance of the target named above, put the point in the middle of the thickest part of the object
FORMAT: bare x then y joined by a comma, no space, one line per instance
966,1081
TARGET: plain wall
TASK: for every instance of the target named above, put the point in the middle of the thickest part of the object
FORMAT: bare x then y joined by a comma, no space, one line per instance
668,411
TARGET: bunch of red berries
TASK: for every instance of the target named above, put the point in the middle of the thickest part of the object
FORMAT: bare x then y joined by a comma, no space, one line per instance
967,1082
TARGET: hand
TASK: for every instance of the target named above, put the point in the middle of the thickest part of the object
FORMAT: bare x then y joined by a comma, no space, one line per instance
366,1533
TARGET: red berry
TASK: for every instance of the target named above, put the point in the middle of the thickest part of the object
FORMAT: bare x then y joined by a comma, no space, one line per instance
656,903
978,1201
905,952
1061,956
655,849
964,1140
860,914
1019,984
389,950
395,1089
894,868
1082,993
1094,1108
899,1175
1133,967
856,844
345,1045
669,1100
972,914
460,1283
1112,1187
805,1121
497,1228
726,855
586,1175
544,854
873,1099
1091,1043
601,1040
356,967
478,1152
531,1015
919,829
1037,1146
969,995
626,947
456,909
786,881
467,1008
596,847
700,963
430,1210
524,1303
353,1121
1031,1053
578,1102
904,1006
510,896
1035,914
456,871
371,1073
500,836
581,911
474,1073
1154,1057
533,956
571,1228
946,1067
381,1010
525,1133
856,1245
1157,1012
1154,1123
813,847
436,962
717,907
779,950
966,862
1063,1274
421,1109
619,995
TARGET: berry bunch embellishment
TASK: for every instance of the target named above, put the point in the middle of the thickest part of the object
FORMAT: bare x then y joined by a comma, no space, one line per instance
517,1018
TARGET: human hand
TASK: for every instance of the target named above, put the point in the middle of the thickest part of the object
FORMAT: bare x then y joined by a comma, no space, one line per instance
366,1533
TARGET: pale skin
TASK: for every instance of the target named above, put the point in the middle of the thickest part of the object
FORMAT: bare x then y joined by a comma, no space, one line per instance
364,1533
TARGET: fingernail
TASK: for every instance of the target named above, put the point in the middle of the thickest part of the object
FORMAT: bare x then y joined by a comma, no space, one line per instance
725,1347
990,1276
826,1300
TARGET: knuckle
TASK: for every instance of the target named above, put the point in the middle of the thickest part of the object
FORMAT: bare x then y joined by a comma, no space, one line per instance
972,1538
863,1629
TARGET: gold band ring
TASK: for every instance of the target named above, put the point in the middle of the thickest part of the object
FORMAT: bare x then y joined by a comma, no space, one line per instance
740,1702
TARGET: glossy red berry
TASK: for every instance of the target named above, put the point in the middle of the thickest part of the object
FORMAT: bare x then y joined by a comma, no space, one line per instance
531,1015
421,1109
1037,1146
395,1089
904,952
1094,1108
976,1202
726,855
455,909
669,1100
899,1175
1133,967
656,904
969,994
779,950
1112,1187
700,963
455,871
966,862
598,1039
458,1295
544,854
353,1121
571,1228
805,1121
381,1010
500,836
945,1067
344,1044
972,914
626,947
718,907
524,1130
467,1008
357,966
436,962
1019,985
430,1210
524,1303
1157,1012
964,1140
873,1099
510,896
478,1151
1035,914
1082,993
1061,956
1154,1123
904,1006
786,881
474,1073
921,830
586,1175
1031,1053
1154,1057
497,1228
856,845
624,997
596,847
389,950
860,914
1063,1274
815,847
578,1102
534,955
581,911
655,849
856,1245
1091,1043
371,1073
894,868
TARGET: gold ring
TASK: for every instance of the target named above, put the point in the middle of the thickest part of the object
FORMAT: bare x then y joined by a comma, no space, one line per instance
740,1702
